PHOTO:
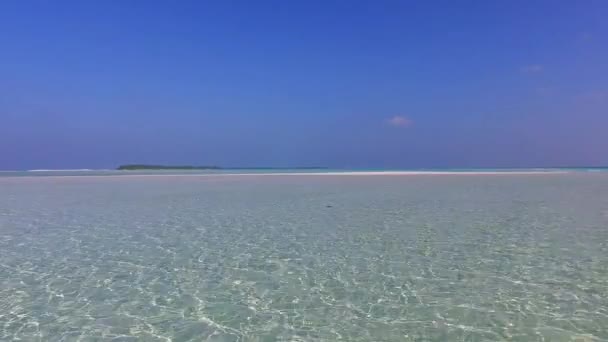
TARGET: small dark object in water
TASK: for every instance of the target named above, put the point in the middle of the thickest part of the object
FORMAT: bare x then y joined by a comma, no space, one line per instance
460,276
329,206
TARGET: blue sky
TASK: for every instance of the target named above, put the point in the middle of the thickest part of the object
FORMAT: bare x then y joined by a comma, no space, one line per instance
354,84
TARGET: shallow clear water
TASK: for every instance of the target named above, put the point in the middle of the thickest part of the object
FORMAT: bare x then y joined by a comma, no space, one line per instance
304,258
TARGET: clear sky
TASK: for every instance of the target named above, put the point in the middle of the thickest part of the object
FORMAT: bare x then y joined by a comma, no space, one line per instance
354,84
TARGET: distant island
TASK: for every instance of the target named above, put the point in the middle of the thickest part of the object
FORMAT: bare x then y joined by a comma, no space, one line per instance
131,167
165,167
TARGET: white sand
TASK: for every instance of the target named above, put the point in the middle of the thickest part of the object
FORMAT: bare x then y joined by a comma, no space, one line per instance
388,173
300,174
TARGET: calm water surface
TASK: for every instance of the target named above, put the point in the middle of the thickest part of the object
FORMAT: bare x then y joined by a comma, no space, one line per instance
304,258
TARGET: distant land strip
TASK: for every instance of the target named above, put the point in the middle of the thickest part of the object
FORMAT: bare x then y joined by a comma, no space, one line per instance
165,167
210,167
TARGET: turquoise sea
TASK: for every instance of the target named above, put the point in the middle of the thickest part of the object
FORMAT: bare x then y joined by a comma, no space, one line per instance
304,258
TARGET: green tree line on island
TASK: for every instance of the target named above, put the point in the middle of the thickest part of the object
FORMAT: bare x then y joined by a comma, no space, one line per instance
165,167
